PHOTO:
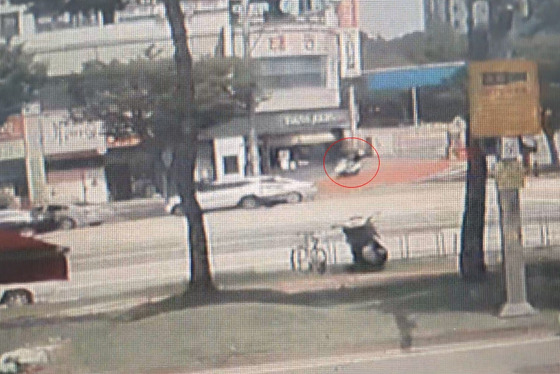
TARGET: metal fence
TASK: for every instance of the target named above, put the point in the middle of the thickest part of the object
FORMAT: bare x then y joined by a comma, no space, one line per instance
443,243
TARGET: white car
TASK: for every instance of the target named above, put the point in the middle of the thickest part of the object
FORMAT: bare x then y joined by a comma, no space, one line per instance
70,216
247,193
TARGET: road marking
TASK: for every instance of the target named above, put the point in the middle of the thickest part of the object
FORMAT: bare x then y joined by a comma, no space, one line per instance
315,363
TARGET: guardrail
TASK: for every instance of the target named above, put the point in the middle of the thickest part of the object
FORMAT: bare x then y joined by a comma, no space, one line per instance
446,243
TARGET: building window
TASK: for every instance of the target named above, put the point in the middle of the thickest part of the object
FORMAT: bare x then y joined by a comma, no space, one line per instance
231,166
277,43
9,25
292,72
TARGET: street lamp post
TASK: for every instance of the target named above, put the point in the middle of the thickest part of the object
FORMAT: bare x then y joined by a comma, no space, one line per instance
250,102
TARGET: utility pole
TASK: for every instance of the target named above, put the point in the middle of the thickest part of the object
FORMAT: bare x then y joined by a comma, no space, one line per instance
250,101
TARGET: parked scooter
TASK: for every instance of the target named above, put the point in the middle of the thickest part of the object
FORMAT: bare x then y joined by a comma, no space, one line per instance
364,240
347,167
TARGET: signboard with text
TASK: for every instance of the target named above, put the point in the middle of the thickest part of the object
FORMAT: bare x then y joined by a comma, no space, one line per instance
349,44
12,150
504,98
304,121
130,141
313,119
62,134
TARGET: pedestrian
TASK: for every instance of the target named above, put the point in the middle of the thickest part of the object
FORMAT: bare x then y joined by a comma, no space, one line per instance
535,169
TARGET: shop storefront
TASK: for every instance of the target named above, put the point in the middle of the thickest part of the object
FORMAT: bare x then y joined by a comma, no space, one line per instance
287,139
120,161
73,150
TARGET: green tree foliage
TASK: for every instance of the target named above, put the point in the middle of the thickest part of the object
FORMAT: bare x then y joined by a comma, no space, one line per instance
137,97
20,76
545,17
443,43
440,43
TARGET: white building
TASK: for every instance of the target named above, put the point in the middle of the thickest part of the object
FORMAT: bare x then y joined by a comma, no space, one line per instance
452,12
15,21
65,46
302,49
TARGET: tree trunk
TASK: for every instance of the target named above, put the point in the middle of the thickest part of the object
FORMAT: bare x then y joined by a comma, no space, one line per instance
186,151
471,261
471,258
185,164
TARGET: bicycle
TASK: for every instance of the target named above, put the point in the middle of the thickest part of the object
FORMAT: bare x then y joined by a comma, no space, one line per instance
312,254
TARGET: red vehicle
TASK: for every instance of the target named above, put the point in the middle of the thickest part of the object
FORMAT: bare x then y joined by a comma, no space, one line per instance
29,267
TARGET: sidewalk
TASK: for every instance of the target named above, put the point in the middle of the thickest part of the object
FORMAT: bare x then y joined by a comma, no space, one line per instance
389,171
292,317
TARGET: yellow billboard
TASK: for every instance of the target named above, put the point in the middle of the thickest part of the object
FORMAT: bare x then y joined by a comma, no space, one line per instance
504,98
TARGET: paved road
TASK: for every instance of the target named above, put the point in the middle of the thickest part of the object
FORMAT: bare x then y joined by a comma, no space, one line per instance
143,252
537,356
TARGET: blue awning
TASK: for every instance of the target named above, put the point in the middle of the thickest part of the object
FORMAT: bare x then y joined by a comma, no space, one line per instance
415,76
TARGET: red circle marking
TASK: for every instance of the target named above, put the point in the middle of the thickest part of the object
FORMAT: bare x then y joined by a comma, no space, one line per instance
349,138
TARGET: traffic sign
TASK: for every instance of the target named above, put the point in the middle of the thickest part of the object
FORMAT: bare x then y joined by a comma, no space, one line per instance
509,148
504,98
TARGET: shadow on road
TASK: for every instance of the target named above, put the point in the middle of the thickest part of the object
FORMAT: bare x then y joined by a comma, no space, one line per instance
401,298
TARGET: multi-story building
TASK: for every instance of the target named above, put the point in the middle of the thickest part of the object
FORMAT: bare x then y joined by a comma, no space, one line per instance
15,21
297,49
302,50
451,12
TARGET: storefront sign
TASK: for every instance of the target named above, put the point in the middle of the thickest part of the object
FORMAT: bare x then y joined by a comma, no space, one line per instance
350,52
12,149
61,134
130,141
282,123
312,119
12,129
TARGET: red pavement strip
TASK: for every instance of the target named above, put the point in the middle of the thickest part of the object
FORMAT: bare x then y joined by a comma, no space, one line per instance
390,172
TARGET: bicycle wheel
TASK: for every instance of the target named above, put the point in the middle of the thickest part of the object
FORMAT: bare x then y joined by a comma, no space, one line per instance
298,258
318,263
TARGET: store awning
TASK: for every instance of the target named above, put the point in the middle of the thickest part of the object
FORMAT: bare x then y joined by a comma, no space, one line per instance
404,78
281,123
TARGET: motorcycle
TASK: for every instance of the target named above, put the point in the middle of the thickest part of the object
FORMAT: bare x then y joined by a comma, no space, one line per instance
364,240
347,168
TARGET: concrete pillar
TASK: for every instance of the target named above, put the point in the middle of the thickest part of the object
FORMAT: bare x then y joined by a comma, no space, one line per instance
266,163
100,19
510,179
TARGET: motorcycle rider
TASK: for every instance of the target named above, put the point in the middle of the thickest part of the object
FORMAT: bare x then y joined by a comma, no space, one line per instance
363,238
350,165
